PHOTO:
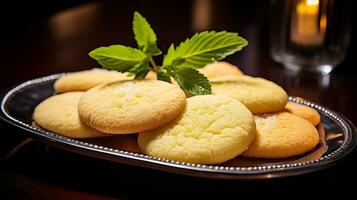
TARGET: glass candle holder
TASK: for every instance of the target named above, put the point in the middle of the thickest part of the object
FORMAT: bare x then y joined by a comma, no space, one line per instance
310,35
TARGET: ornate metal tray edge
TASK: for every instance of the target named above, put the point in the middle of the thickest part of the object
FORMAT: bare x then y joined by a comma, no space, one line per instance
349,132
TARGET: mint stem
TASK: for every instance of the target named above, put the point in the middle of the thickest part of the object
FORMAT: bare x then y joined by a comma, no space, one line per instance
154,66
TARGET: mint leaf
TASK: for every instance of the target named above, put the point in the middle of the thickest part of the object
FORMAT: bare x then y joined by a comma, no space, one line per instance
190,80
204,48
118,57
140,70
162,75
170,58
144,35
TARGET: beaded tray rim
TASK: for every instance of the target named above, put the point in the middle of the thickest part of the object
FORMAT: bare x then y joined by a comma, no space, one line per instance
349,133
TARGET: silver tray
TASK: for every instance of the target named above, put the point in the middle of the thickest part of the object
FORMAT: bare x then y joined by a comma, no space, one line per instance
337,139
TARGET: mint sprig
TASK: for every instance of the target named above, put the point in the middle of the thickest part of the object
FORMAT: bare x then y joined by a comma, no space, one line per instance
179,63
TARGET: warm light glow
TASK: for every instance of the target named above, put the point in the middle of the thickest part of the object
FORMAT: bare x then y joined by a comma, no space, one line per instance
202,15
308,28
308,7
67,23
312,2
323,23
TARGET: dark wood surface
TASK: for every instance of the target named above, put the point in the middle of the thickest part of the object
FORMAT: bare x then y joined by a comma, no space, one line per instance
59,41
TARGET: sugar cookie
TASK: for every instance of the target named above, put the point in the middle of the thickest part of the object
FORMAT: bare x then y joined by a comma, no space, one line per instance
282,135
212,130
59,114
303,111
220,69
258,94
87,79
131,106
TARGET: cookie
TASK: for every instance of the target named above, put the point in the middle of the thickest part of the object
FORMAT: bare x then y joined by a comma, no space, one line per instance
303,111
282,135
59,114
131,106
85,80
220,69
127,142
212,130
258,94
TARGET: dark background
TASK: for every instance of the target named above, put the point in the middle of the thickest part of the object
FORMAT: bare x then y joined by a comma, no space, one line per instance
39,38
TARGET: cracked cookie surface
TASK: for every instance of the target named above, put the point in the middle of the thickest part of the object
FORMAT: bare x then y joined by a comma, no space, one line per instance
211,130
131,106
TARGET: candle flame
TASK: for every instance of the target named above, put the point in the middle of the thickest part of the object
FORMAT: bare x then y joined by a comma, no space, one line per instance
312,2
308,27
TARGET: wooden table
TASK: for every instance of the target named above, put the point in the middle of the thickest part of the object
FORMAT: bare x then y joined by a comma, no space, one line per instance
61,42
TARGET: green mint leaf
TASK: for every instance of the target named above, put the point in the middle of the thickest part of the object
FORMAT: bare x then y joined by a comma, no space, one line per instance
140,70
162,75
145,35
118,57
191,81
171,59
204,48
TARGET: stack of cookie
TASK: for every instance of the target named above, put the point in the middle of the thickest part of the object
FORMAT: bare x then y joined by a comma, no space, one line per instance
244,116
284,129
